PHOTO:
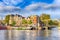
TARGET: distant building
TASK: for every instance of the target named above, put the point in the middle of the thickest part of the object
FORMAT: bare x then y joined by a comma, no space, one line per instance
17,18
35,20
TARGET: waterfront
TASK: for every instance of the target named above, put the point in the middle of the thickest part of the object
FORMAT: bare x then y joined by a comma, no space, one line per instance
53,34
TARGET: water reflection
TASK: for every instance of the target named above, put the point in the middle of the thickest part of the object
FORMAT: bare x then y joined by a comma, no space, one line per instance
30,34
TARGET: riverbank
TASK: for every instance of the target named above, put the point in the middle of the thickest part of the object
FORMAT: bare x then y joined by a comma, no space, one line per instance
27,28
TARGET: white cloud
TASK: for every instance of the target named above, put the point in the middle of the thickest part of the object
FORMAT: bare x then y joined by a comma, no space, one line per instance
2,4
5,10
43,6
36,6
55,5
9,9
10,2
16,1
57,2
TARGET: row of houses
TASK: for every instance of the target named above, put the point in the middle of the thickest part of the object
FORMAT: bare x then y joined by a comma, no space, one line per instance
18,19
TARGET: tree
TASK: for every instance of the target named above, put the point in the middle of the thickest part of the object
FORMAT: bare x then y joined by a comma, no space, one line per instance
7,19
44,17
56,22
24,21
13,23
29,22
51,22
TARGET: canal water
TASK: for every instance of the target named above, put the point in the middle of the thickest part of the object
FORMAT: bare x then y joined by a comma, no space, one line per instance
53,34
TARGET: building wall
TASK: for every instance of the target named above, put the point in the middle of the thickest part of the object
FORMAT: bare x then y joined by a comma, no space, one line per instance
11,19
15,18
34,19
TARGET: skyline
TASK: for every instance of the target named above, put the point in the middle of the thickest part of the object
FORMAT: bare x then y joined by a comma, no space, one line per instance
30,7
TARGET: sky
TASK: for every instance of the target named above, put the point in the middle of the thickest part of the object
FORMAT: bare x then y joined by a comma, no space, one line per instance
30,7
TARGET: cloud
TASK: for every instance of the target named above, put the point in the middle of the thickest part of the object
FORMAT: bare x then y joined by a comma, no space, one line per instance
43,6
36,6
10,2
9,9
2,4
8,6
56,2
54,5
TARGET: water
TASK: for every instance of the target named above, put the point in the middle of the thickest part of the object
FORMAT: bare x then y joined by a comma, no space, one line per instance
30,34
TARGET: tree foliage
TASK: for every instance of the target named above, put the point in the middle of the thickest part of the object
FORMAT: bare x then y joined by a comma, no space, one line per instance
13,23
29,22
53,22
24,21
44,17
56,22
7,19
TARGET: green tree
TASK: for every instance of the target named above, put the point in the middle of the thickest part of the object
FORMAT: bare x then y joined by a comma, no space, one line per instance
29,22
13,23
56,22
51,22
7,19
24,21
44,17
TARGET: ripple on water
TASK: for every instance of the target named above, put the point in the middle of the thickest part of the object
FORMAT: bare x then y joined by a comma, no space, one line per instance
30,34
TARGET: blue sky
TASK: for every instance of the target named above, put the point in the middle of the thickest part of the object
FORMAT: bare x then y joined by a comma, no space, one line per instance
30,7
